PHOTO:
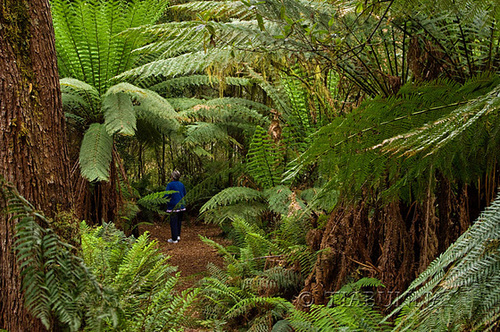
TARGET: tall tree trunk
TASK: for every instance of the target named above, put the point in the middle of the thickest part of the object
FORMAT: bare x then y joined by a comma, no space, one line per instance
33,155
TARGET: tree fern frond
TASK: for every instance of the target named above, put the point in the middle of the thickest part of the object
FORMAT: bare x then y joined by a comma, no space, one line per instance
182,104
155,201
119,114
186,64
95,153
232,195
435,136
85,96
203,132
216,9
197,80
87,47
149,106
242,210
264,160
227,112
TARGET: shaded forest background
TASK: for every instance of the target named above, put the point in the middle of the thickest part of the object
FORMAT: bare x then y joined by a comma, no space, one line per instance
345,148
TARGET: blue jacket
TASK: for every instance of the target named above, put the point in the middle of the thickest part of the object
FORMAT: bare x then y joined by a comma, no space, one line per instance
176,197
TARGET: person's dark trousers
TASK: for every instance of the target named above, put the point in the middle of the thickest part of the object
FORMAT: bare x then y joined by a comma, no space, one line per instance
175,224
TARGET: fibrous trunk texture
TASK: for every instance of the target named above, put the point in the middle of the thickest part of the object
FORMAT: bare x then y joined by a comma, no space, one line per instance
33,155
392,242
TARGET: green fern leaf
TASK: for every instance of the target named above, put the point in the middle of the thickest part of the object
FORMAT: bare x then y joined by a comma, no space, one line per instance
95,153
119,114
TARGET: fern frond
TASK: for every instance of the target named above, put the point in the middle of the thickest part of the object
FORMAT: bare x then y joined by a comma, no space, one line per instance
435,136
119,114
264,160
246,305
216,9
87,47
95,153
197,80
54,280
155,201
230,196
203,133
149,106
185,64
80,96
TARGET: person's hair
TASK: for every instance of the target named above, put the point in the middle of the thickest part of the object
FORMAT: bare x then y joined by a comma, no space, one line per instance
176,175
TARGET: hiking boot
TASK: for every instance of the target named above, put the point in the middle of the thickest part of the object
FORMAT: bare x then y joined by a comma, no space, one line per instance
172,241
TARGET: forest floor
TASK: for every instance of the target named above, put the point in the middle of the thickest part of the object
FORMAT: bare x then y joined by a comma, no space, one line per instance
190,254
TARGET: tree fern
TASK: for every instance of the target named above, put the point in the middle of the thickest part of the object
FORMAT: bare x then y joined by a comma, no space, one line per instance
356,160
459,290
87,48
90,54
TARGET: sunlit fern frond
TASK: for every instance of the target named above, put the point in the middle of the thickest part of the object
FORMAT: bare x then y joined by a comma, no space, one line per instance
228,110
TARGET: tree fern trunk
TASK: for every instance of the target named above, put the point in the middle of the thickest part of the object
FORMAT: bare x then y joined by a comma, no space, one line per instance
33,155
392,242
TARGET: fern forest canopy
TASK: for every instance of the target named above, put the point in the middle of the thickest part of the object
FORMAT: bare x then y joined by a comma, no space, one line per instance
348,151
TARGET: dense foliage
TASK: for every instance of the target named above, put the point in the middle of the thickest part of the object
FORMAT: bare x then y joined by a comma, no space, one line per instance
344,147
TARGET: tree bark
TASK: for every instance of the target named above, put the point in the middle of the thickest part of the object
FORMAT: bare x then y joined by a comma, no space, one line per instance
33,154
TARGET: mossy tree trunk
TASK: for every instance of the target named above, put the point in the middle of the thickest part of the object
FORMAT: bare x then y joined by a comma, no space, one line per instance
33,154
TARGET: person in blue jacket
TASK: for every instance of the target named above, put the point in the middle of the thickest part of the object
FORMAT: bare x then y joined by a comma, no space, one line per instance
176,206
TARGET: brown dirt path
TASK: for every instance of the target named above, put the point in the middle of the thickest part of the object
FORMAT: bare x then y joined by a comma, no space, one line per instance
190,254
